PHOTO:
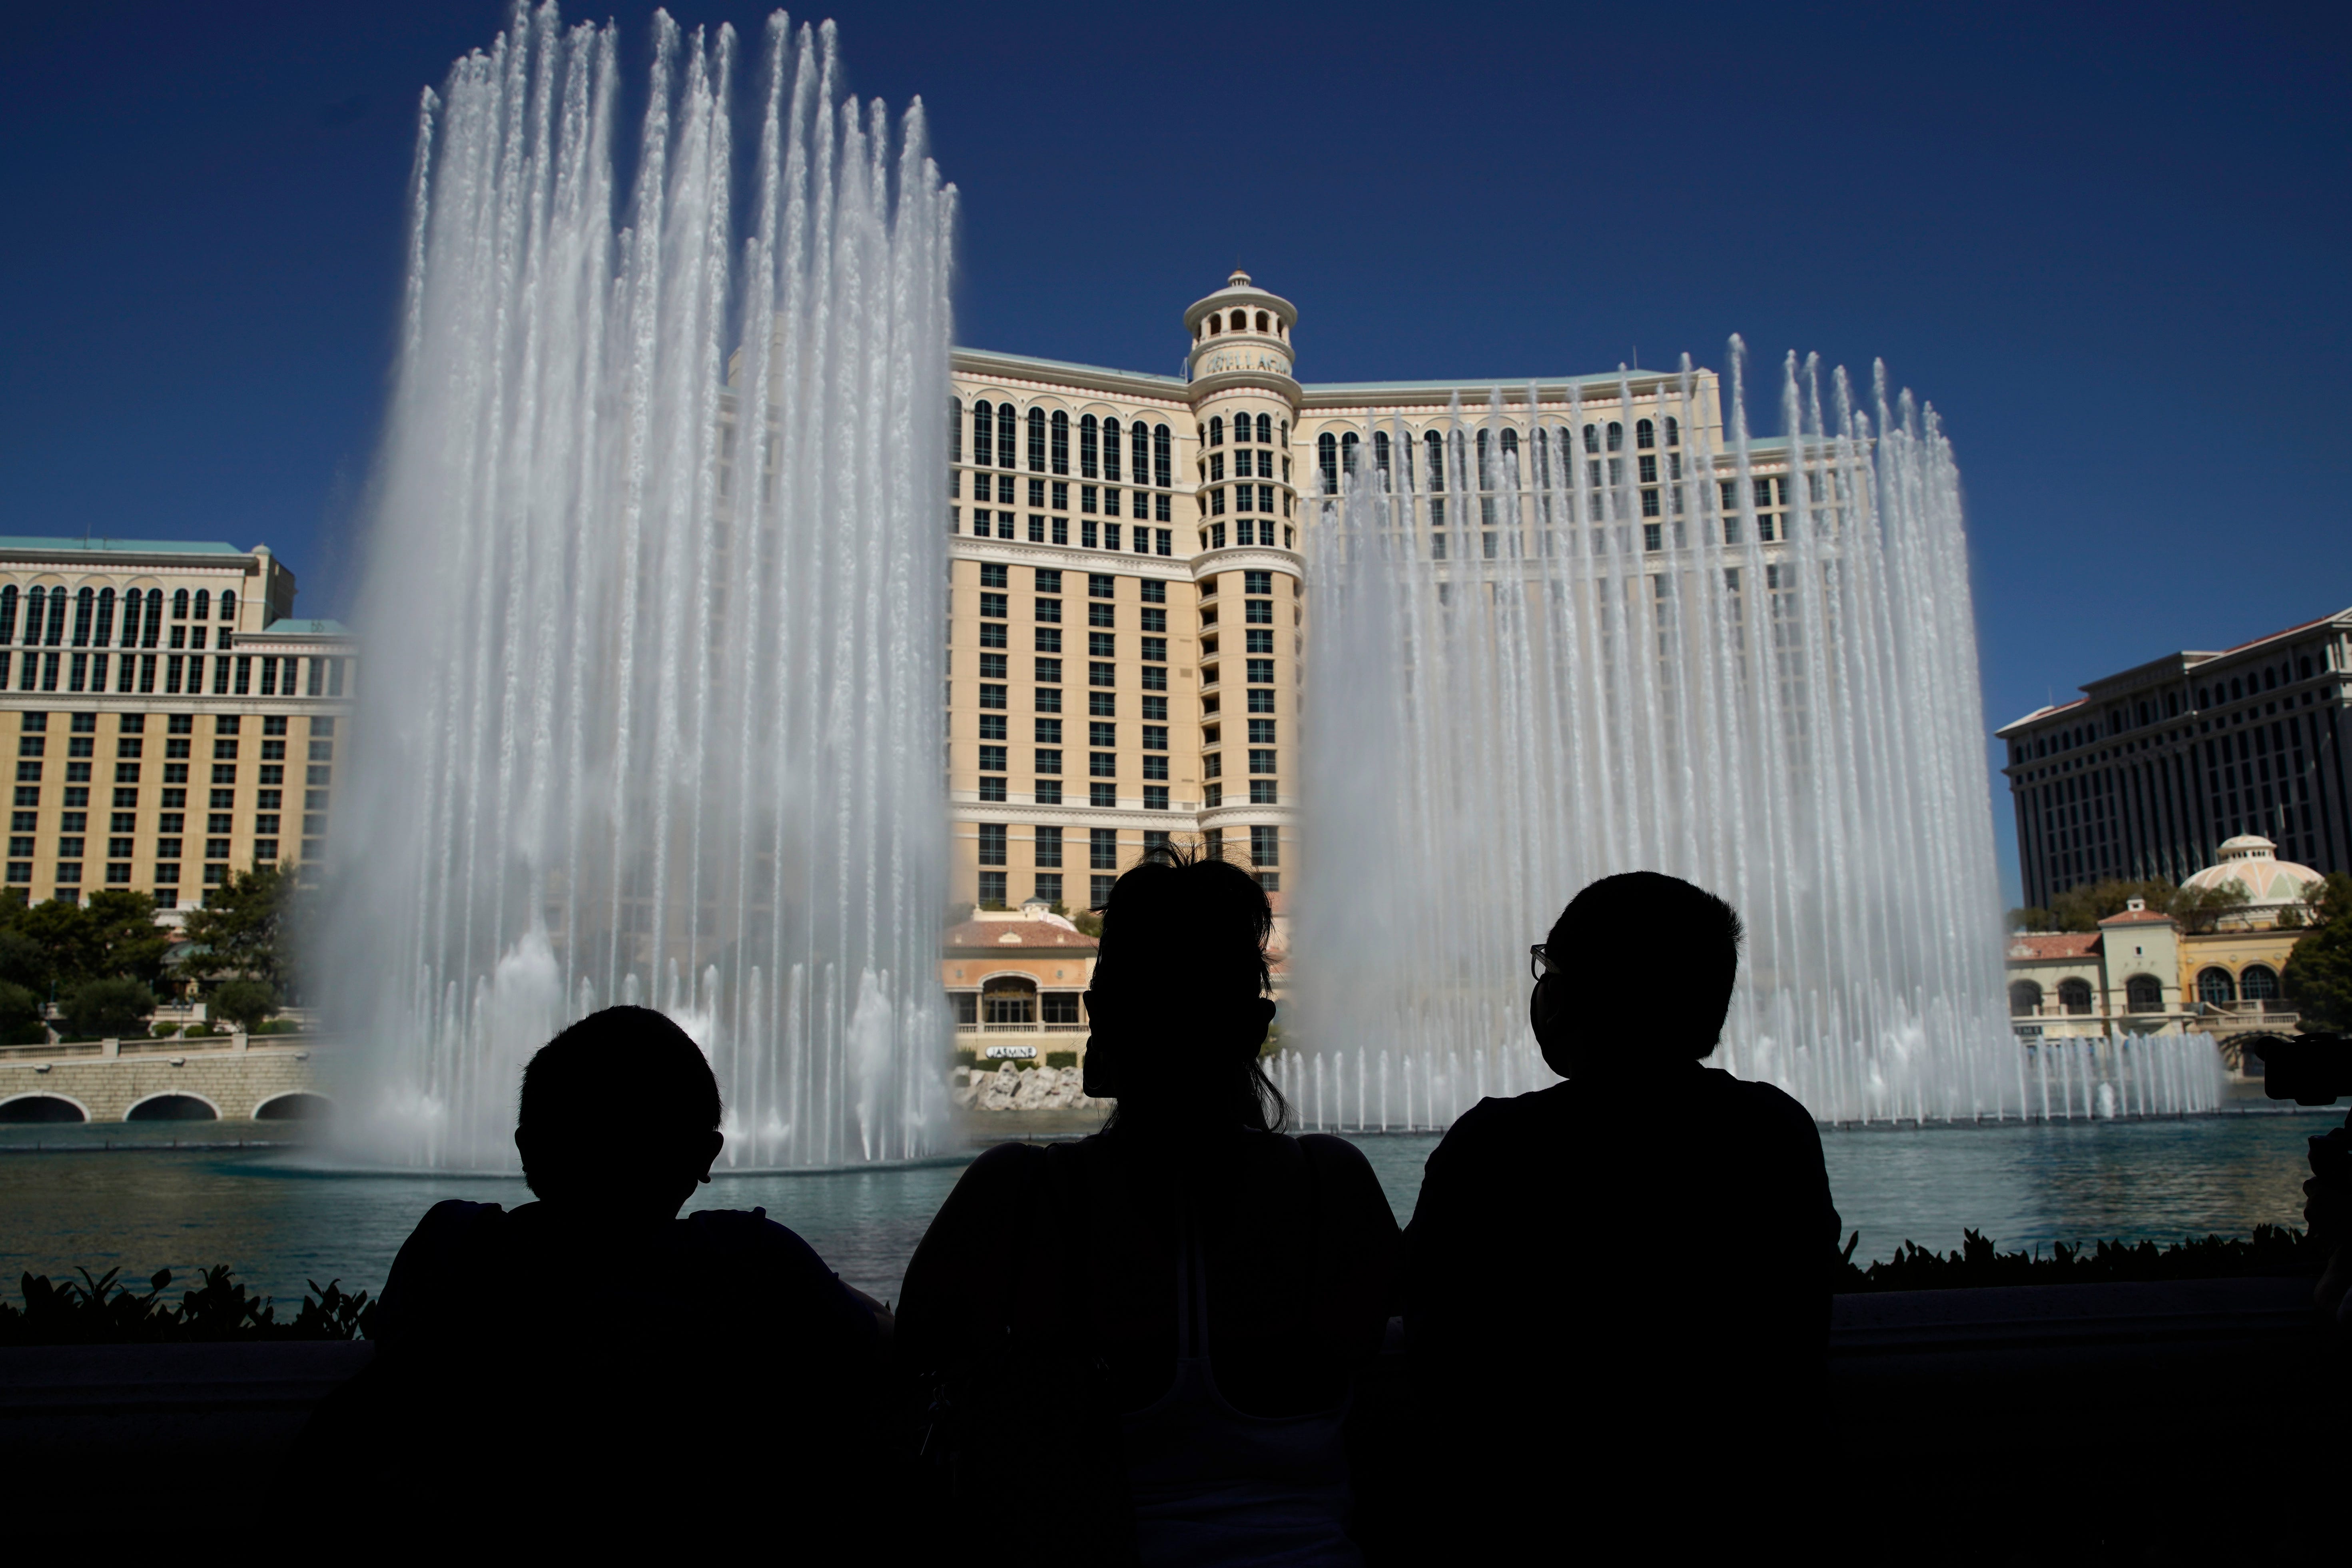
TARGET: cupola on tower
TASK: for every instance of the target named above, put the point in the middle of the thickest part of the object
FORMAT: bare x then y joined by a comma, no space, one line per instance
1245,403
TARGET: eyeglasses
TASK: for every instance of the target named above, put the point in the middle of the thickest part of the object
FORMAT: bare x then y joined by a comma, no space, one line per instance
1540,963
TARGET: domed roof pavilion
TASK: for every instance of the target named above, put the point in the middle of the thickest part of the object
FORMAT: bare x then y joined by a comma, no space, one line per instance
2251,861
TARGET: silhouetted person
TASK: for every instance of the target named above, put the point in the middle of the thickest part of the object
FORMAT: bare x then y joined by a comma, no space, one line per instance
1164,1318
591,1362
1617,1295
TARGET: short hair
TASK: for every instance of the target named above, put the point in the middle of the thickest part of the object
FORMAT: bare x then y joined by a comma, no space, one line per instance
623,1065
1673,945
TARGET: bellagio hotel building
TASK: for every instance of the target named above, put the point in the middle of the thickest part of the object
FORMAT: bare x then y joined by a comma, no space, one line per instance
170,721
1127,607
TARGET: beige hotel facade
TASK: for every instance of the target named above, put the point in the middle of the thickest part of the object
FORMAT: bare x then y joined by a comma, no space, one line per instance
1129,609
171,721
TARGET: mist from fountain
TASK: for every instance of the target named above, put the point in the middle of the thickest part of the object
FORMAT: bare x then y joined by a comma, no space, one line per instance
1578,688
652,707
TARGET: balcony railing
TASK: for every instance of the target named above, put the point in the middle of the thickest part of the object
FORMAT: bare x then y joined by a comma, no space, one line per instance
964,1028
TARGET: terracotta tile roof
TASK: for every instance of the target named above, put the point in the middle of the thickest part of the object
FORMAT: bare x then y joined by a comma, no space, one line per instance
2055,944
2138,918
1000,936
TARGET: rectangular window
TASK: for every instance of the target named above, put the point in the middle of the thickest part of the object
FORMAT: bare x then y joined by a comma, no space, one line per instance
1258,640
1061,494
1155,737
1100,894
1050,610
993,606
992,728
1102,675
1102,764
1102,849
1155,767
991,667
1049,639
1258,612
1155,796
1110,536
1266,846
1213,795
1262,762
1102,735
1049,671
1088,534
1049,847
1102,614
992,760
1087,494
1262,793
1049,761
1212,766
992,843
1111,504
1036,528
991,889
1156,649
1261,732
1261,671
991,697
1048,700
1102,645
1049,887
1103,795
1037,494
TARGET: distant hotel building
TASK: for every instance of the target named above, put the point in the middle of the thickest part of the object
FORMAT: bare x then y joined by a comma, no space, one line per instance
2149,772
170,722
1128,608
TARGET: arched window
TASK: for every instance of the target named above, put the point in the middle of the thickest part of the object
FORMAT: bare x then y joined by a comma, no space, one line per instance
1217,431
1216,323
132,602
1036,440
1380,458
1510,456
57,617
984,432
1266,429
1263,325
1327,458
8,615
2270,679
85,608
37,605
180,605
1435,446
1348,444
2215,988
2074,996
1241,321
103,634
1282,433
1008,435
1592,437
1061,442
1616,437
204,605
2024,998
1673,431
955,430
2237,688
1162,456
1486,468
1110,449
1090,447
2204,698
154,629
228,607
1009,999
2258,982
2144,994
1645,435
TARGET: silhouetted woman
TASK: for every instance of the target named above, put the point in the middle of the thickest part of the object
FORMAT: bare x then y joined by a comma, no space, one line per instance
1163,1319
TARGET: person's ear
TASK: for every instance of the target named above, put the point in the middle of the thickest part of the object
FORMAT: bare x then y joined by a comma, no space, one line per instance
718,1142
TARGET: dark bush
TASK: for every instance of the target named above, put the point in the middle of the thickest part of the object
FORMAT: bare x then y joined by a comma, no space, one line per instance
1061,1058
20,1016
99,1311
2271,1250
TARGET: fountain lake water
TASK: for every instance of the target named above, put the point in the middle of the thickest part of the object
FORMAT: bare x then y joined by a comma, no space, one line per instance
1797,728
654,715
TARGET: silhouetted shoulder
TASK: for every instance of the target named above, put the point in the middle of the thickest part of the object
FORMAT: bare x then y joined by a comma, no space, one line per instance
1764,1102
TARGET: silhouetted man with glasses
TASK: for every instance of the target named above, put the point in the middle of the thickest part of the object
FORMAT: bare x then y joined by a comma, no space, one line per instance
1620,1285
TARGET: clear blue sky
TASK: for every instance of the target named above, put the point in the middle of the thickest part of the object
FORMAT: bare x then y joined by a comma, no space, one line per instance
2110,244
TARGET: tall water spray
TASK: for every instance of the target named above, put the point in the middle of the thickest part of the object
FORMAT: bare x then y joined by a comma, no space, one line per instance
1612,670
653,708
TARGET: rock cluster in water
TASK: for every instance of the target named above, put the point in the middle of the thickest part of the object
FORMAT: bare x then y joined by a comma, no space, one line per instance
1010,1089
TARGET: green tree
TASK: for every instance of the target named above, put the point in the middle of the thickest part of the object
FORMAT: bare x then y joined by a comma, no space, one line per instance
20,1016
244,930
2083,907
100,1009
2031,918
2318,975
2329,898
2201,909
124,941
247,1004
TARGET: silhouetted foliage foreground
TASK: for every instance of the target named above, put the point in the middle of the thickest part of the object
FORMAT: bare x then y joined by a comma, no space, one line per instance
99,1311
2271,1250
